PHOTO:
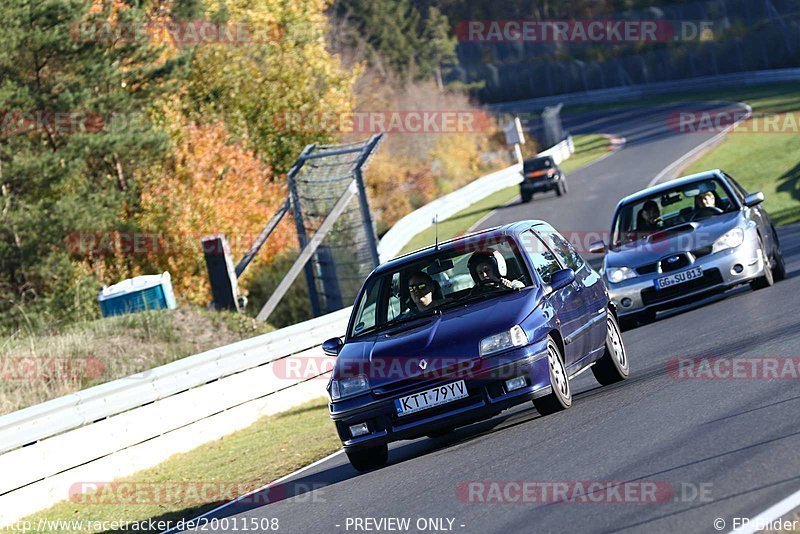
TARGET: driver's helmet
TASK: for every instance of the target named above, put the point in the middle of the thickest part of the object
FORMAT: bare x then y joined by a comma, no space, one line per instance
495,260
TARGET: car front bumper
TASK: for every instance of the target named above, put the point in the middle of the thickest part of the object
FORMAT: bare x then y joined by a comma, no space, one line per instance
719,274
538,186
487,396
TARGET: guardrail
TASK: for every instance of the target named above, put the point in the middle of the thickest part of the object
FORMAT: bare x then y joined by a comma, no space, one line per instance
632,92
117,428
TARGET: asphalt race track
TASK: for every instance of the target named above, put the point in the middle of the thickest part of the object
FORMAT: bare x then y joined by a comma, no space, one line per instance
714,448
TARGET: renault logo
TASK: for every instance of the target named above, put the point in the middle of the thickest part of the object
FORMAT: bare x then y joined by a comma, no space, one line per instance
423,364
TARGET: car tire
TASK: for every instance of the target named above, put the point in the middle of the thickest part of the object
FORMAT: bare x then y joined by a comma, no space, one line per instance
779,271
526,196
612,367
368,458
560,398
768,280
564,187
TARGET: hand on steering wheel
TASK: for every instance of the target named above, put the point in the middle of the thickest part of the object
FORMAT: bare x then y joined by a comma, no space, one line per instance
705,211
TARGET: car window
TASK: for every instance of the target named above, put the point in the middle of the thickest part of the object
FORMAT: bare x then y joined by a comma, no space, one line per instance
542,258
737,188
368,306
565,252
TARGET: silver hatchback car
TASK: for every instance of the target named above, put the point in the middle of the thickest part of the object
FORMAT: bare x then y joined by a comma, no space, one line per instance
685,238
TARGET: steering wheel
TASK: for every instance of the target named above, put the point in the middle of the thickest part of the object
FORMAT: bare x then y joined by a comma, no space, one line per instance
705,211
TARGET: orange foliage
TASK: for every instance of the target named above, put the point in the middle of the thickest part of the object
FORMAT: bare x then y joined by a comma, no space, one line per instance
212,185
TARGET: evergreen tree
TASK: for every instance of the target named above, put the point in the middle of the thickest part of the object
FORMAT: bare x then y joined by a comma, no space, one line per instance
74,142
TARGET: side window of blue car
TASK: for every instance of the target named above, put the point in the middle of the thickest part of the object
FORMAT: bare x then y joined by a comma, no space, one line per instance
565,252
544,261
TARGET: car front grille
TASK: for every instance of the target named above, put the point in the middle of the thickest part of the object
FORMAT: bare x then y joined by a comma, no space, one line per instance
682,260
710,278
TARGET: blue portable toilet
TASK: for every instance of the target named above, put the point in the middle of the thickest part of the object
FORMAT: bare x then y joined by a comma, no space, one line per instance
148,292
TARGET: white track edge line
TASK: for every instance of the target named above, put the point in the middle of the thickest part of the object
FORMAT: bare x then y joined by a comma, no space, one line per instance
776,511
677,163
262,488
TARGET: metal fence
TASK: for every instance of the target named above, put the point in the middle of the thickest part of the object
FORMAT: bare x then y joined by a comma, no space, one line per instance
746,35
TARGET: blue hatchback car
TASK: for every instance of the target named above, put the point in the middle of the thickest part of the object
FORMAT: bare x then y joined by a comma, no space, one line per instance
458,332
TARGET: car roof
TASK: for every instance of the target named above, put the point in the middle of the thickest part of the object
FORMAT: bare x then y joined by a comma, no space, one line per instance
495,232
639,195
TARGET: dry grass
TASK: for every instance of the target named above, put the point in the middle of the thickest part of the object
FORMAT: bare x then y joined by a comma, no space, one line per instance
36,367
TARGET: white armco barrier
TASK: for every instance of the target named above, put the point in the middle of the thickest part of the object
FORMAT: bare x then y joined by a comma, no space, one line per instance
445,207
57,449
50,451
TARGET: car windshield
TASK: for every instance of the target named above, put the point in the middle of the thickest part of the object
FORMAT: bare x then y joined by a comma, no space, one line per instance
670,209
441,281
538,164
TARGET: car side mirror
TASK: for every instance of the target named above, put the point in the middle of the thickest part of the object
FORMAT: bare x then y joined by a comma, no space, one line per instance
754,199
598,247
332,346
562,279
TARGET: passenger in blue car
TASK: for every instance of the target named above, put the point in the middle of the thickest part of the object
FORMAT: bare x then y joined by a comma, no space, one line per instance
488,269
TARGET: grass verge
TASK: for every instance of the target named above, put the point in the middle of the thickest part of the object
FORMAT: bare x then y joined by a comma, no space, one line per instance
38,366
767,162
587,149
195,482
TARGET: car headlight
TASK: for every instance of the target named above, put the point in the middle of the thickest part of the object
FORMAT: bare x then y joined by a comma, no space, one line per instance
347,387
514,337
616,275
731,239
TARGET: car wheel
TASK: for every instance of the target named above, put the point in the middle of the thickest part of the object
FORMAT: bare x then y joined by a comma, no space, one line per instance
369,457
564,188
612,367
559,189
768,280
561,396
526,196
779,270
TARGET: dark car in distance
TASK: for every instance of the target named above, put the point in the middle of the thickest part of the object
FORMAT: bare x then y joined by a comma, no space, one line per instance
540,175
458,332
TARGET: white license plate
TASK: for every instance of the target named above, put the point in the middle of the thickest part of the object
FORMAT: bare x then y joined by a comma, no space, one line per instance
679,278
430,398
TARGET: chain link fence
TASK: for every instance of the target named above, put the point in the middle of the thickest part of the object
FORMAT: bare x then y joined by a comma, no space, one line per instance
349,251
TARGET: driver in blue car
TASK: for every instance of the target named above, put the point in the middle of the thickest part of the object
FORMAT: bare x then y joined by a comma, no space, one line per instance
488,269
425,291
